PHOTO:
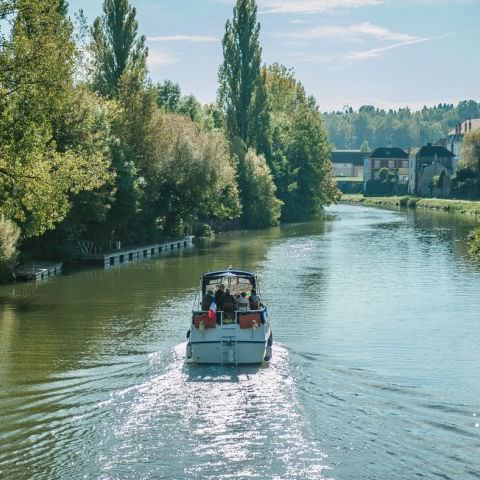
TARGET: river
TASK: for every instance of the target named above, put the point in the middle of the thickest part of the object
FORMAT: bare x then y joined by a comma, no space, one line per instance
375,374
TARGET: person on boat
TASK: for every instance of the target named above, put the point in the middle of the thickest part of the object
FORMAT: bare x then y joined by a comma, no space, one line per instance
219,294
242,302
228,306
207,300
254,300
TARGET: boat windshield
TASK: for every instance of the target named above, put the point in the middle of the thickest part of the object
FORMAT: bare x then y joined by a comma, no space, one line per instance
235,282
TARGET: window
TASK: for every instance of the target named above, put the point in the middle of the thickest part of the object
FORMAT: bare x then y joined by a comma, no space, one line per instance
391,164
376,164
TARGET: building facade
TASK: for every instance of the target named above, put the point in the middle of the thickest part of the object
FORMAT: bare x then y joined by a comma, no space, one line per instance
348,163
431,170
393,158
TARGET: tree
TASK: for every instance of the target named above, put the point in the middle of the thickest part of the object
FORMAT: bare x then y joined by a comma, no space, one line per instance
191,176
300,152
242,88
168,96
365,148
116,47
261,208
9,235
41,166
470,155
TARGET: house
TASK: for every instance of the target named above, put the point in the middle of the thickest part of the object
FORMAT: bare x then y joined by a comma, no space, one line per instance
454,139
431,169
393,158
348,163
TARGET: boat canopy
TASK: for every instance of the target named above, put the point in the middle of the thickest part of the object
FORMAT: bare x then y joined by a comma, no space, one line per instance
235,279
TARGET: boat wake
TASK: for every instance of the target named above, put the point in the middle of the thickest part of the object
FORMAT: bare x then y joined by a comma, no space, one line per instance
240,422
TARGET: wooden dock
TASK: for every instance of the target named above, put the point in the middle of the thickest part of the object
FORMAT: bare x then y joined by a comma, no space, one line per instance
38,271
125,256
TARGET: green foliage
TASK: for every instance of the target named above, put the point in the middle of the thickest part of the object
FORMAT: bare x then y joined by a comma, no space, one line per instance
261,208
402,128
116,47
470,155
48,150
191,176
474,240
365,148
9,235
299,154
242,87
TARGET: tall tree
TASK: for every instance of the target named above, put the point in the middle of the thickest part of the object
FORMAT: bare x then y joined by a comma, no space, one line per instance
242,87
41,164
116,47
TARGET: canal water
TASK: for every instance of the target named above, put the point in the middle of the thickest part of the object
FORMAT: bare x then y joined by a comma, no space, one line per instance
375,375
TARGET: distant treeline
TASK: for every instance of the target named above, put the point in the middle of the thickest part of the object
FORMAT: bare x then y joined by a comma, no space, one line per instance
370,127
92,150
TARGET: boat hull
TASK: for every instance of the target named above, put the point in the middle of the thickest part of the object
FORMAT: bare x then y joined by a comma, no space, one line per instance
229,346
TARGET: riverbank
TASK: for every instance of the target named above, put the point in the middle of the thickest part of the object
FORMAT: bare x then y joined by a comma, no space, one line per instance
456,206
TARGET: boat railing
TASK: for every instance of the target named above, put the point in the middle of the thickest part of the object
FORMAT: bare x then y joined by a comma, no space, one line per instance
237,314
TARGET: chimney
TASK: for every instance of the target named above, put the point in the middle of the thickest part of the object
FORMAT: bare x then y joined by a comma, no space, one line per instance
429,144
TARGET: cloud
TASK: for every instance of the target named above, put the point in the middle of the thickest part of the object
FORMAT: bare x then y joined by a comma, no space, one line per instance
351,32
377,52
312,6
157,58
182,38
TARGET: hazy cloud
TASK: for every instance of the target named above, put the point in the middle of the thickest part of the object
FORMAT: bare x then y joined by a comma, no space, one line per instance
377,52
158,58
311,6
351,32
182,38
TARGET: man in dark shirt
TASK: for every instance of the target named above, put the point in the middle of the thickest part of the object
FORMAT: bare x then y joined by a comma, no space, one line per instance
219,295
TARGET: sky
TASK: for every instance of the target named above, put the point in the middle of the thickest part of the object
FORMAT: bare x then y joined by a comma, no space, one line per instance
387,53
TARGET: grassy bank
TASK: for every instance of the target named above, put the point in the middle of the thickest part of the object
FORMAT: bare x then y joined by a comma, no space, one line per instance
456,206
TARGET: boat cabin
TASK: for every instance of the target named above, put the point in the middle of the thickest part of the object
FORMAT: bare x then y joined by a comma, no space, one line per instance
236,300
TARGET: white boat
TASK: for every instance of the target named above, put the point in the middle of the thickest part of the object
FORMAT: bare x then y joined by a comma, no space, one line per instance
231,327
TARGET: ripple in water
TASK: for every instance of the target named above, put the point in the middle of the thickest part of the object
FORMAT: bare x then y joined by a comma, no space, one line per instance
212,422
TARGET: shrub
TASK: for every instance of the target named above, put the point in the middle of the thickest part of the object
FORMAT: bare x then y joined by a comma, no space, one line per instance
9,235
474,239
412,202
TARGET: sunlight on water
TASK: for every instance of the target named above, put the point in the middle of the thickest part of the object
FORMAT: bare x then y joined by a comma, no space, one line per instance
240,422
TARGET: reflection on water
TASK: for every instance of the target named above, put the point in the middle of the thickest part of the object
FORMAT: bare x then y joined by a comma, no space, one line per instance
375,369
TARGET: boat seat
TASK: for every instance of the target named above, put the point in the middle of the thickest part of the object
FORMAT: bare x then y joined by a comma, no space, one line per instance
208,322
248,320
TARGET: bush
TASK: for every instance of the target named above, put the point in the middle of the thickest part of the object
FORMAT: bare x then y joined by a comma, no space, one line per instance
9,235
474,239
204,230
412,202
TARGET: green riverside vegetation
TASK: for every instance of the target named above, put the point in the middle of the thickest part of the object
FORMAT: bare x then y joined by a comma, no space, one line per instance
91,149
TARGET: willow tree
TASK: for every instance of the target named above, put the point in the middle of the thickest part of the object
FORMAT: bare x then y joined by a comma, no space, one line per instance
116,47
242,87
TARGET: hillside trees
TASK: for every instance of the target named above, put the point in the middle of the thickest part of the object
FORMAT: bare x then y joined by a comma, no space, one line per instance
402,128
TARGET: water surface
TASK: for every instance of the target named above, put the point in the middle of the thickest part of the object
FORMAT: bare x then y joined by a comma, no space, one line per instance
375,373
